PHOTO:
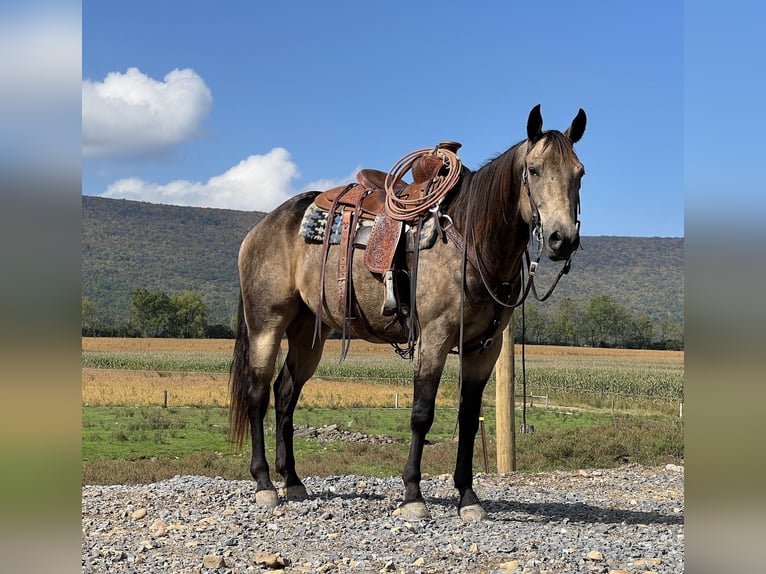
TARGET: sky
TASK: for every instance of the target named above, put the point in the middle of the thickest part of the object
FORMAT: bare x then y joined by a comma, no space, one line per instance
243,104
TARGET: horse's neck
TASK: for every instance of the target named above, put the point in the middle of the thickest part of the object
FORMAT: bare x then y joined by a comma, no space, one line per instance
501,245
502,249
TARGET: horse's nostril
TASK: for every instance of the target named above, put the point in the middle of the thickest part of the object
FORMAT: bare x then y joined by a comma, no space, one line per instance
555,240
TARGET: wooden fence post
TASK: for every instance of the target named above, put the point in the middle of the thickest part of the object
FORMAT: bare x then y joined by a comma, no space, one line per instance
505,404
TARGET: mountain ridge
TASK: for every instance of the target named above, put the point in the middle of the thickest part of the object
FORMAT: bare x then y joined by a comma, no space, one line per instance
129,245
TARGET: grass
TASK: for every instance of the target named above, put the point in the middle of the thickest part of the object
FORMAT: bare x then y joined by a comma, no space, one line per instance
144,444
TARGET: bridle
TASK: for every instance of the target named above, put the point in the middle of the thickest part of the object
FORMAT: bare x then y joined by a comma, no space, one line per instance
536,233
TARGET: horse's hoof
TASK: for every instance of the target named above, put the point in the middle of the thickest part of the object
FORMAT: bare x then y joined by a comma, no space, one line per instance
296,493
267,498
414,511
473,513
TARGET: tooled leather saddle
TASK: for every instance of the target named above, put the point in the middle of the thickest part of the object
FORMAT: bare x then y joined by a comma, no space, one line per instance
368,221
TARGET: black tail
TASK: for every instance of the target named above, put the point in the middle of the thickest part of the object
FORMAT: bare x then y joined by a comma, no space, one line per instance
239,382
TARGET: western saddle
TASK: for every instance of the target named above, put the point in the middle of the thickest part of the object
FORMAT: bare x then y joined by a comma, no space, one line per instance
385,203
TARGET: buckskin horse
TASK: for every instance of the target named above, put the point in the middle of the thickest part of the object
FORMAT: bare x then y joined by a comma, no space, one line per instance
472,276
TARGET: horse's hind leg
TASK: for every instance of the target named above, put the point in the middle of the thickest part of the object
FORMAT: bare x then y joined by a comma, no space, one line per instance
301,362
264,346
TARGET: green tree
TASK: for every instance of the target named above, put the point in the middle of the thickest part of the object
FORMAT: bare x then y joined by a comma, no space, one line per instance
623,326
670,335
533,323
151,313
607,323
565,327
189,315
643,332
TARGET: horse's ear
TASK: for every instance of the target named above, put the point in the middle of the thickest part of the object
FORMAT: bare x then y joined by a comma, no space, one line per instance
534,123
574,132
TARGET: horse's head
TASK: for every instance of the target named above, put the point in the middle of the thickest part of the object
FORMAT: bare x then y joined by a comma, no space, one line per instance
551,184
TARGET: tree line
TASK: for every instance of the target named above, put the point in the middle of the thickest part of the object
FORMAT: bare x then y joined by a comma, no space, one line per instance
156,314
599,322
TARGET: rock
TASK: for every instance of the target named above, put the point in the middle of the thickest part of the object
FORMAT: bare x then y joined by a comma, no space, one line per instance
271,560
647,562
158,528
548,524
595,555
138,514
117,555
619,572
206,523
213,561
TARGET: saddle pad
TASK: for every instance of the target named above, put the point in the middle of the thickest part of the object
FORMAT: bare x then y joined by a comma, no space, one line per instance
314,224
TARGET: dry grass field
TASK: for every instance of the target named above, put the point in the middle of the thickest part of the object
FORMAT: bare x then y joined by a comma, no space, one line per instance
123,387
332,347
101,387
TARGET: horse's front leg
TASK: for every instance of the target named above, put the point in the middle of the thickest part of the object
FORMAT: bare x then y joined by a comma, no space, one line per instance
427,375
477,368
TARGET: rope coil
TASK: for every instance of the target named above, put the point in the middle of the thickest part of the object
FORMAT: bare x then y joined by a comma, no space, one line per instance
406,205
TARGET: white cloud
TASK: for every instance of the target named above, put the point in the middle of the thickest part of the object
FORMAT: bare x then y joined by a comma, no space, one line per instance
258,183
132,114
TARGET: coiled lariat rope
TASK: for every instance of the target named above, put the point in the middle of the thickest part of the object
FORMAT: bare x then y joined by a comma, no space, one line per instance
406,205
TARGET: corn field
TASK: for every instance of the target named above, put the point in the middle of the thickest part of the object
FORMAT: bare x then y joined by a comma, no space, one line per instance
195,372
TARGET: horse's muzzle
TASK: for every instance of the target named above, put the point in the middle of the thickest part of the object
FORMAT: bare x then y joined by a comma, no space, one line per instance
560,247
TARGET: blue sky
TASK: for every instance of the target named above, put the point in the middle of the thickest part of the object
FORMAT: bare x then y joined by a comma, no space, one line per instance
242,104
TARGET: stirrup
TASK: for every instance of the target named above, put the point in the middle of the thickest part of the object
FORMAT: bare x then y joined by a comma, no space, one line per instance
389,302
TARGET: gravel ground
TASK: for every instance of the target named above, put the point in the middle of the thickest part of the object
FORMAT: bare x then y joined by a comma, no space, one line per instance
628,519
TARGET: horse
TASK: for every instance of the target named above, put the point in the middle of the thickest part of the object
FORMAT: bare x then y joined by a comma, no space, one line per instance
465,297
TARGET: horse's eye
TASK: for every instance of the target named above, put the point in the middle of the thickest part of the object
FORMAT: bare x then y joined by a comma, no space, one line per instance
533,170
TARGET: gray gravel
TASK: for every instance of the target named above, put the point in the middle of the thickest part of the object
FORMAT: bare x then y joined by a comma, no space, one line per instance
597,521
